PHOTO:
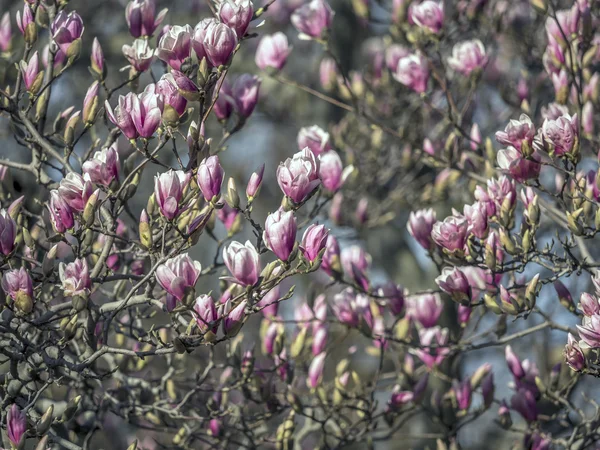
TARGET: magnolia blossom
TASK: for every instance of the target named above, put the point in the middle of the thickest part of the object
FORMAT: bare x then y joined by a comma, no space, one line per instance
176,276
574,355
280,233
314,241
425,309
561,136
210,177
16,425
433,356
272,51
168,191
521,169
245,94
468,56
66,32
315,371
8,233
122,115
237,14
314,138
206,314
141,17
299,176
518,133
61,214
139,54
454,282
76,190
104,167
175,46
413,72
451,234
17,283
219,43
313,19
243,261
75,278
331,170
428,15
420,225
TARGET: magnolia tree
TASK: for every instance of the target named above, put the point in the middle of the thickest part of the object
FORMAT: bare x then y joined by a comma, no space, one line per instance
464,129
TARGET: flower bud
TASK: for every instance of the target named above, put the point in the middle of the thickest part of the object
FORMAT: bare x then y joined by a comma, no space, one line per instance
254,184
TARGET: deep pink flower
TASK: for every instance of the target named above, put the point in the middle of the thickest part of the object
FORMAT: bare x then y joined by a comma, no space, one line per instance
237,14
141,20
413,72
521,169
313,19
561,136
253,186
245,93
455,283
206,314
175,46
61,214
315,371
428,15
219,43
176,276
589,331
66,29
17,282
331,257
147,112
331,170
210,178
16,425
168,191
75,278
8,233
313,241
425,309
433,356
420,224
122,115
574,355
76,190
104,167
451,234
5,32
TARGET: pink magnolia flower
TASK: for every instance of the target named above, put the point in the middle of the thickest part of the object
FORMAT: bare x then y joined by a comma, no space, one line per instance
139,55
331,170
199,35
206,314
5,32
25,21
245,93
428,15
210,178
314,241
234,318
512,162
76,190
75,278
589,304
420,225
61,214
523,401
168,89
219,43
230,218
31,73
574,355
176,276
355,259
517,133
455,283
147,112
168,191
589,331
561,136
352,309
175,46
243,262
433,356
299,176
16,425
413,72
315,371
97,58
476,215
66,30
451,234
122,115
425,309
17,282
8,233
253,186
225,102
331,257
463,394
315,138
237,14
140,16
468,56
395,297
393,54
280,233
104,167
272,51
313,19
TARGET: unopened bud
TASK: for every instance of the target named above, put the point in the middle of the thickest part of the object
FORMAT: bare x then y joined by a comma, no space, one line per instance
232,197
89,213
71,408
145,230
45,421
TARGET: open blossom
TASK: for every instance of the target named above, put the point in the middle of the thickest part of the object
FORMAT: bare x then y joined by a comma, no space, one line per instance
313,19
561,136
428,15
168,191
425,309
299,176
420,224
8,233
66,32
413,72
142,19
210,177
476,215
272,51
76,190
313,241
176,276
432,341
451,234
352,308
175,46
206,314
237,14
139,55
315,138
61,214
280,233
511,161
331,170
518,133
589,304
104,167
468,56
75,278
122,115
589,331
243,261
168,90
